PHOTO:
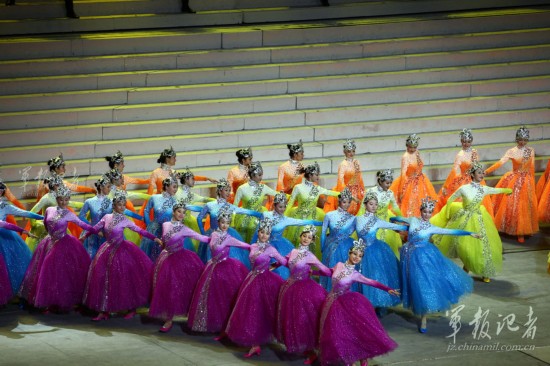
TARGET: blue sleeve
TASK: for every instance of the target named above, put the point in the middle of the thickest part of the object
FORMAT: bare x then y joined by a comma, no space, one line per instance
201,217
133,215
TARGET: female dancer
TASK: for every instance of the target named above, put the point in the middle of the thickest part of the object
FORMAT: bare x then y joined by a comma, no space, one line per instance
219,283
56,276
482,257
387,207
120,275
349,175
516,214
16,254
341,225
213,209
184,194
6,283
412,184
176,272
379,263
543,195
300,300
460,172
280,223
290,173
116,161
167,160
350,330
161,205
429,281
97,207
238,175
252,194
307,194
252,321
57,169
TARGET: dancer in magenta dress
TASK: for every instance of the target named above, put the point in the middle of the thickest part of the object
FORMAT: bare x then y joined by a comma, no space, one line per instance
300,300
252,322
177,270
217,289
350,330
56,276
120,275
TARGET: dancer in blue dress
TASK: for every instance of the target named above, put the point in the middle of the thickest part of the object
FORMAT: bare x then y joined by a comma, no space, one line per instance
430,282
212,209
161,204
379,262
340,225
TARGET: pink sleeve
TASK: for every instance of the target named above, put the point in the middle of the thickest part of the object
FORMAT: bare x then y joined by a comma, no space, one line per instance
358,277
8,226
231,241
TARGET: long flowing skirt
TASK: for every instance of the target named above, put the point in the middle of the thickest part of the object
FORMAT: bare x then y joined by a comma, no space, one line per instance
191,222
92,244
298,314
283,246
6,292
239,254
543,193
414,189
350,330
17,257
252,321
57,274
215,295
38,229
335,250
174,279
481,256
292,233
119,278
516,214
429,281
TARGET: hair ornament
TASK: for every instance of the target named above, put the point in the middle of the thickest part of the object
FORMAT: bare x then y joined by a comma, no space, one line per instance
62,191
225,214
222,184
412,140
119,195
384,175
476,165
349,145
265,225
522,133
309,229
255,168
56,162
370,195
466,135
345,195
280,198
296,148
116,158
312,169
358,245
427,203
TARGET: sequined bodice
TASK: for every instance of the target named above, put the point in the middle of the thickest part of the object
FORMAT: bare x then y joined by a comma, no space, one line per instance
412,164
260,256
299,262
174,232
368,224
341,224
289,176
162,206
349,173
98,207
57,219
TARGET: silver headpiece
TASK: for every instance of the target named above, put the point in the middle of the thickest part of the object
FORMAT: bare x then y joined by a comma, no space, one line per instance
179,204
62,191
116,158
358,245
113,175
309,229
186,175
172,179
56,162
266,225
466,135
312,169
412,140
53,181
296,148
255,168
280,198
522,133
428,203
225,215
370,195
349,145
102,182
168,153
222,184
386,174
476,165
244,153
345,195
119,195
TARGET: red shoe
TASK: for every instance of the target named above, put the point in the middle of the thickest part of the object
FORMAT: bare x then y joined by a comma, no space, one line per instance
220,337
253,351
364,363
100,317
311,359
166,329
521,239
130,314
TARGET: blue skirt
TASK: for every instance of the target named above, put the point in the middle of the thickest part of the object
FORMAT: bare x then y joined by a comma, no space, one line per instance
335,251
151,248
430,282
283,246
17,257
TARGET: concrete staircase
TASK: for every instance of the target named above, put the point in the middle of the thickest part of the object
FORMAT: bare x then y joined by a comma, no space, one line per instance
209,91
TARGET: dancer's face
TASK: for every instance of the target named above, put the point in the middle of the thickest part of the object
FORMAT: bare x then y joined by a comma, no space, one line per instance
172,189
120,166
344,204
299,156
355,257
263,236
190,182
280,208
119,206
478,175
385,184
247,161
60,170
224,225
63,202
171,160
306,238
225,193
314,177
349,154
258,177
411,149
106,189
466,144
425,214
522,142
179,214
371,206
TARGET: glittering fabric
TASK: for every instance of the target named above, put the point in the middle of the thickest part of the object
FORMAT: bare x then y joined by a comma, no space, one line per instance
350,330
288,175
252,321
299,304
543,195
412,185
429,281
218,285
237,176
176,273
156,178
56,275
6,278
379,263
516,214
334,248
6,292
481,256
120,274
97,207
349,175
161,205
252,196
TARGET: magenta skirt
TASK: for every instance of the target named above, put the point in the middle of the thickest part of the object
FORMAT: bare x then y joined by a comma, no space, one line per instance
5,286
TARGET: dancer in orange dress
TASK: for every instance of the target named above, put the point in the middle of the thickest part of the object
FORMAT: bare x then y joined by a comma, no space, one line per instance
543,196
459,175
238,175
57,168
516,214
349,175
289,173
412,185
116,161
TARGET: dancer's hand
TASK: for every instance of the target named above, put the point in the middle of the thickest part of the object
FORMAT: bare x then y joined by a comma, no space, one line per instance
476,235
395,292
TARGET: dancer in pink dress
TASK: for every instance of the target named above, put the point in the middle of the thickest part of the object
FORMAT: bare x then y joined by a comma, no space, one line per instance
177,270
120,275
252,322
350,330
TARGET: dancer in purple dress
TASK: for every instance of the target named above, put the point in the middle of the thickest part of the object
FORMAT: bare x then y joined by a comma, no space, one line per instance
252,322
350,330
6,292
300,300
120,275
177,270
217,289
56,276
